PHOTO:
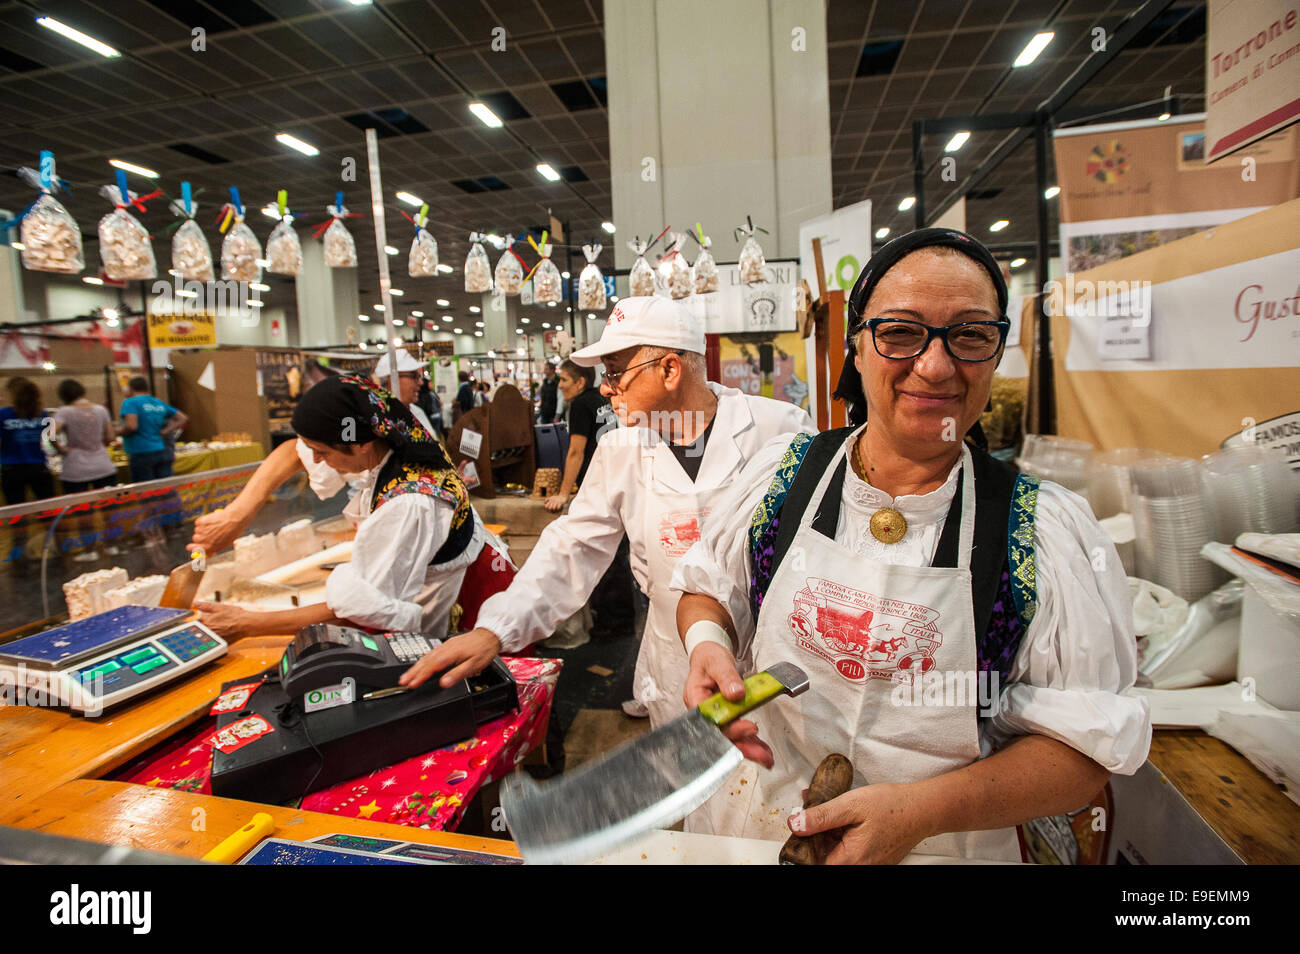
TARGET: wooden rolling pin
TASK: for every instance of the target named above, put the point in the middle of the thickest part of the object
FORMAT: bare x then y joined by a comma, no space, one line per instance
832,779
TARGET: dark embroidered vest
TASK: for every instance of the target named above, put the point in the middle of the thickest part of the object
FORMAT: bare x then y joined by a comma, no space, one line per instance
397,478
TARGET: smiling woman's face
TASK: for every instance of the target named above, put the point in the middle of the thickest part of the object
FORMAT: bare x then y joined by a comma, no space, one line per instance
928,399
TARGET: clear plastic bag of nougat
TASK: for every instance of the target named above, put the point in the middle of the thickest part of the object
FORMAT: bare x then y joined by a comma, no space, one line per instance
50,235
752,266
509,271
641,278
124,246
478,270
283,247
679,272
705,269
340,248
591,283
547,284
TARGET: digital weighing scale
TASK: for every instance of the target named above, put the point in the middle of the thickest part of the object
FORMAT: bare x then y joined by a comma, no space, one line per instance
105,659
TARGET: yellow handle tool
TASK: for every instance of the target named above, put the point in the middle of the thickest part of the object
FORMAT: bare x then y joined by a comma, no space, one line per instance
759,688
242,840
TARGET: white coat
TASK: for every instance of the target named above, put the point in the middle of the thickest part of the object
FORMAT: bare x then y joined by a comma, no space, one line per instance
635,485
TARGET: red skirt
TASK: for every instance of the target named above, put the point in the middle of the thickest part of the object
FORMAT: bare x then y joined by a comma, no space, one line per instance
490,573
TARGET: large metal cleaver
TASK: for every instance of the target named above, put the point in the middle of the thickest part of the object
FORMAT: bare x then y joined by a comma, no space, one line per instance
648,783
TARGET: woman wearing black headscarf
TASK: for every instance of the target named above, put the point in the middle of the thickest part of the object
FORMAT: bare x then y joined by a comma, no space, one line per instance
420,547
967,632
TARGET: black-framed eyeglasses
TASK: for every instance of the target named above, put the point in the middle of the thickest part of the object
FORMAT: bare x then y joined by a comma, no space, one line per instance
612,377
901,338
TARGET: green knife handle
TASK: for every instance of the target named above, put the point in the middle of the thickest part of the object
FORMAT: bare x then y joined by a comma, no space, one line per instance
759,688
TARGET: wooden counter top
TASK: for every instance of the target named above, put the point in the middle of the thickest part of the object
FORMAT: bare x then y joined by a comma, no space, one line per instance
43,748
1247,810
191,825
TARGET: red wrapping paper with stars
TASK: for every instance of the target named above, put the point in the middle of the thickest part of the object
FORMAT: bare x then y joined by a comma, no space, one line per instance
427,791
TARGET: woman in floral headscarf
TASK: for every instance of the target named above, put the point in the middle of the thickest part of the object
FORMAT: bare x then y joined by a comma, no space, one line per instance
420,547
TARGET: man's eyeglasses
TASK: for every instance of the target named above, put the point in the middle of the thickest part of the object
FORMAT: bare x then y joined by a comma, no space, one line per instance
612,378
899,338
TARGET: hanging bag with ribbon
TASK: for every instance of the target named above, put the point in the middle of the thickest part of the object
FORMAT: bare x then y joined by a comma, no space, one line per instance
591,283
423,260
478,270
547,285
510,270
641,279
191,254
124,245
752,264
283,248
50,236
674,264
340,249
241,252
705,269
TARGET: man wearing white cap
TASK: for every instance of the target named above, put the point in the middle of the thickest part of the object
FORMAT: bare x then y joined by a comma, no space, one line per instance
409,375
683,440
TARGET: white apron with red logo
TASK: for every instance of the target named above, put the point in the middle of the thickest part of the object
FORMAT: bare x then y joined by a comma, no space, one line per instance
673,520
859,628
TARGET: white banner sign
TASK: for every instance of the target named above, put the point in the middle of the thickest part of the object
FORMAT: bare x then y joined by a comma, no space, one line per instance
846,246
736,307
1240,316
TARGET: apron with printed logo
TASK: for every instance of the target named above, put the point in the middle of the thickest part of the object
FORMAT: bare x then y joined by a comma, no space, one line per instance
672,521
863,630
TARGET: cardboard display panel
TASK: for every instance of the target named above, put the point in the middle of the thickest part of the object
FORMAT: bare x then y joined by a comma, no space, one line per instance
218,390
1189,411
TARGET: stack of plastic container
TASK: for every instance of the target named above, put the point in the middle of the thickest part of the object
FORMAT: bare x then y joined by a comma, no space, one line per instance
1061,460
1249,488
1110,479
1173,520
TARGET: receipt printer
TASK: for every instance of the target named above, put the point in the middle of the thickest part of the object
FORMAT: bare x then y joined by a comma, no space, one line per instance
325,654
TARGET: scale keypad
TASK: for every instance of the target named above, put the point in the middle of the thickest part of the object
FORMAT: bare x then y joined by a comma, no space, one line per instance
186,644
409,647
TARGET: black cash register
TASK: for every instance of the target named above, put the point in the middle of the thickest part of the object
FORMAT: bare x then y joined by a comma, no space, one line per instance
336,712
324,654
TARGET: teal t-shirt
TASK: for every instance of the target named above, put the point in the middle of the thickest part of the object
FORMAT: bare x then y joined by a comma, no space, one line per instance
151,414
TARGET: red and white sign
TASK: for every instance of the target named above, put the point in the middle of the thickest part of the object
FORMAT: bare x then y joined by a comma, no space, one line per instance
1252,72
862,635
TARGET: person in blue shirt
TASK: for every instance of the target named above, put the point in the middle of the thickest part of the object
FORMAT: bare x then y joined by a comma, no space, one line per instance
146,423
22,462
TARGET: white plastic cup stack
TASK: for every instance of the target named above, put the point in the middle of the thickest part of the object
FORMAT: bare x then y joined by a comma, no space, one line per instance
1250,488
1110,479
1173,520
1061,460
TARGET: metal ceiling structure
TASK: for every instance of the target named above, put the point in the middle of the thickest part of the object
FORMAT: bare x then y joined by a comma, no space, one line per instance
323,70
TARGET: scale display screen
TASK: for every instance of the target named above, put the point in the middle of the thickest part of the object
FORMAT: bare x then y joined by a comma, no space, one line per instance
141,661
